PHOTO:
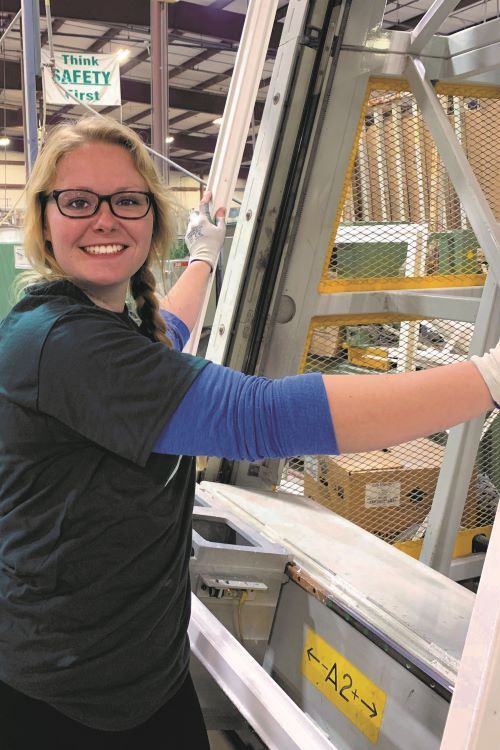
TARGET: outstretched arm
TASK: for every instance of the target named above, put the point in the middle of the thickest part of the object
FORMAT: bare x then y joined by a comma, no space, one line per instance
204,241
370,412
240,416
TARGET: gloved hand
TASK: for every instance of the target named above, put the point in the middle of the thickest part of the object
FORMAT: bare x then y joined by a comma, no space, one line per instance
489,367
203,238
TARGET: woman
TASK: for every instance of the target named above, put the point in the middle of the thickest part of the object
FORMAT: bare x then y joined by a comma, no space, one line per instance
99,420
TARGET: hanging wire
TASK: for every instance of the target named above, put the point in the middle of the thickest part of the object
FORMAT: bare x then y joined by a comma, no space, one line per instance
9,27
198,179
51,65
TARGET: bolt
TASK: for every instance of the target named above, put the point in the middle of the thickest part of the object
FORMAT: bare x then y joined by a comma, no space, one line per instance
222,329
276,98
248,214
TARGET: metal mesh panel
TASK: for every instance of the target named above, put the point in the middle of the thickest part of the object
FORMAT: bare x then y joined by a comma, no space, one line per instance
390,492
401,224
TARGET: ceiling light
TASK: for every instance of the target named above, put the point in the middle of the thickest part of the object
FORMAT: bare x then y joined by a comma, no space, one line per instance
4,141
122,54
169,139
218,121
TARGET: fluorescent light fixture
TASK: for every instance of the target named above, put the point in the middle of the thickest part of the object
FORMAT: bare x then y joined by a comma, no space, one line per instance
218,121
4,141
123,54
169,139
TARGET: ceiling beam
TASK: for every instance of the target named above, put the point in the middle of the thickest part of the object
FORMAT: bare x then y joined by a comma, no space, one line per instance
182,16
205,144
184,142
140,92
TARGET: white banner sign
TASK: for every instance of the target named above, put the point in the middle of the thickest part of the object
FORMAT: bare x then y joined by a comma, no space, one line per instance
93,79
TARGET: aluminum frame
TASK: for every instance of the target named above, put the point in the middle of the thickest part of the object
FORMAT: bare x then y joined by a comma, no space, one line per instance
430,24
278,721
474,719
236,119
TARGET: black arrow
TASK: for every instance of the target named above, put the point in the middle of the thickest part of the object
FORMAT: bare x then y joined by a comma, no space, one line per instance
311,655
371,708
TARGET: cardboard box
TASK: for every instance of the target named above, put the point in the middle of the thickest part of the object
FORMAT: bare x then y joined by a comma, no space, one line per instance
385,492
325,342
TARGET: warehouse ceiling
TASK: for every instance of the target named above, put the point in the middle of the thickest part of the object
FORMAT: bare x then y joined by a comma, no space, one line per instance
203,41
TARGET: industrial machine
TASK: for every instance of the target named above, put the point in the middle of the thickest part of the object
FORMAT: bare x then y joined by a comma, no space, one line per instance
367,242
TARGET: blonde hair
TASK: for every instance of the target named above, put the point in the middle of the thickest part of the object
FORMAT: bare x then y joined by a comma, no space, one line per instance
63,139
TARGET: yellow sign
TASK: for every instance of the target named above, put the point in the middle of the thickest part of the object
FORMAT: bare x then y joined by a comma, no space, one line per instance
356,696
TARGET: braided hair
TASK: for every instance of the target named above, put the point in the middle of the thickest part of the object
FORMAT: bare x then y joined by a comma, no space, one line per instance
142,286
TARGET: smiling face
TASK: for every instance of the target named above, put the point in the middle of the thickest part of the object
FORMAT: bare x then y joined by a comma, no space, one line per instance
102,252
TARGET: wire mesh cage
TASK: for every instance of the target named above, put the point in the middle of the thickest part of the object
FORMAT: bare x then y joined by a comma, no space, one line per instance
401,224
390,492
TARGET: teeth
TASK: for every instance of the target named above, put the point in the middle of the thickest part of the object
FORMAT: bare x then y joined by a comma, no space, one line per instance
103,249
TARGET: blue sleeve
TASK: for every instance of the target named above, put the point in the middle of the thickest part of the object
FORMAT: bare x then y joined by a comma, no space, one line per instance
227,414
177,330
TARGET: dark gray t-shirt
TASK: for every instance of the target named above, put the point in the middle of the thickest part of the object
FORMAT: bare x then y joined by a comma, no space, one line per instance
94,528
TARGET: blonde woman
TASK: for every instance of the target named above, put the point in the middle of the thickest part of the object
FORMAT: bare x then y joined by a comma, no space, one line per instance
99,421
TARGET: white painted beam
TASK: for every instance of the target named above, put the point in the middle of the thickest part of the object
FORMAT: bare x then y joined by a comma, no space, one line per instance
240,102
278,721
430,24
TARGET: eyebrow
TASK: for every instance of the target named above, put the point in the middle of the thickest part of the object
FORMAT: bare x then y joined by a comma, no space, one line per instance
118,190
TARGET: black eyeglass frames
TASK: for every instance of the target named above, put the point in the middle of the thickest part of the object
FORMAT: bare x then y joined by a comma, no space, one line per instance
81,204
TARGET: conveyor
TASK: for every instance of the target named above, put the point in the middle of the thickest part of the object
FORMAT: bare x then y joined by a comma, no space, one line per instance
393,627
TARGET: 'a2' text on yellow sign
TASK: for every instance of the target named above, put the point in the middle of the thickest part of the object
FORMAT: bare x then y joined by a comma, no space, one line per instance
352,692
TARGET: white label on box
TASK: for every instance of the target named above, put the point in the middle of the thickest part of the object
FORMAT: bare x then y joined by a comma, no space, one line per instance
382,494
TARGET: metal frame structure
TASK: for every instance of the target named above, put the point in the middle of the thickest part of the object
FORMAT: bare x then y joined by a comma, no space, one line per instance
236,120
421,57
278,721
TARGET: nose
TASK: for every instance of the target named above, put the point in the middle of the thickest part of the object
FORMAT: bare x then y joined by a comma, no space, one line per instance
104,219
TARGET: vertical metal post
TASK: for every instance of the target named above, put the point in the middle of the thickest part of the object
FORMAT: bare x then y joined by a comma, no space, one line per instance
237,115
473,721
159,80
451,490
31,44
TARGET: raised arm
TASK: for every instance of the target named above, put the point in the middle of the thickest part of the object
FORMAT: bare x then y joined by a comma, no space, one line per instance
204,241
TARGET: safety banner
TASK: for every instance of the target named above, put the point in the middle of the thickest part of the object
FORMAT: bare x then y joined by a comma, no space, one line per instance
93,79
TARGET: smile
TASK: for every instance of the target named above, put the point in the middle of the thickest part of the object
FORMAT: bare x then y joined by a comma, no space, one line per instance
103,249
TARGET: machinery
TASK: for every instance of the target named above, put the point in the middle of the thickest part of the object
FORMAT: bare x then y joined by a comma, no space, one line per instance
367,242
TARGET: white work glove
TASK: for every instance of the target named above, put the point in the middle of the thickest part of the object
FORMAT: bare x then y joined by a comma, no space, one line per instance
203,238
489,367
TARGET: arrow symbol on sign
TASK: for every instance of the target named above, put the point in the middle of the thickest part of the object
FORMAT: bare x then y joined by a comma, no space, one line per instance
311,655
372,708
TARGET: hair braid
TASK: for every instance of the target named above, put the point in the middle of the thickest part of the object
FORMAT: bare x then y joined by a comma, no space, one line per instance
143,287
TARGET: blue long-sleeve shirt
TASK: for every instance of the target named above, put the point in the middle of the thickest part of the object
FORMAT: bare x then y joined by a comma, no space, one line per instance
225,413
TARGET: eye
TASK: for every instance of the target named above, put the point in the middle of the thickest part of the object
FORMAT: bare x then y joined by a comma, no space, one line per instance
76,200
129,200
76,203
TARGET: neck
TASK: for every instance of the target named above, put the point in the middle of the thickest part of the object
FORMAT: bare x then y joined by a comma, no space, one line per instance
109,299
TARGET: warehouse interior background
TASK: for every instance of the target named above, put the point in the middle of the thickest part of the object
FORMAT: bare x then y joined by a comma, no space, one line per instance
202,44
390,278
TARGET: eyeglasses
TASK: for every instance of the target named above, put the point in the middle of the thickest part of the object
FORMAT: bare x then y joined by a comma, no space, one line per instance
81,204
